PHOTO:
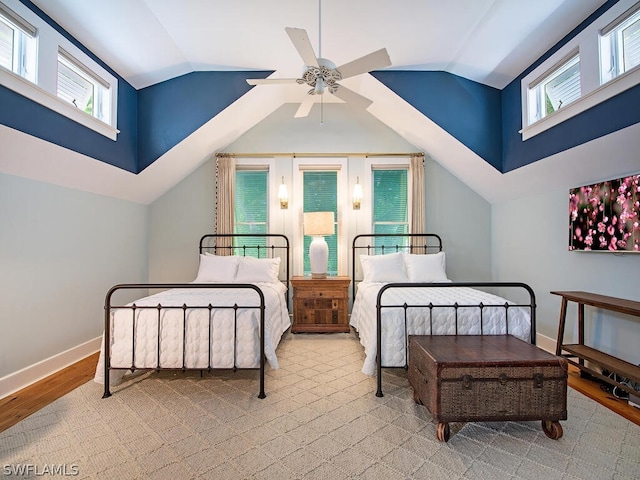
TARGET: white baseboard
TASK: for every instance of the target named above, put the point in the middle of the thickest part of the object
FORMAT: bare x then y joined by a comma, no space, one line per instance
546,343
25,377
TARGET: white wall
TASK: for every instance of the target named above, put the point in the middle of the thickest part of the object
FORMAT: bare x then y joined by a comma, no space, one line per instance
178,220
530,244
60,251
186,212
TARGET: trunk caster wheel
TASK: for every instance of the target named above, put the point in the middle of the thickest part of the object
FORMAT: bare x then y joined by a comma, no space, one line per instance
416,398
552,429
442,431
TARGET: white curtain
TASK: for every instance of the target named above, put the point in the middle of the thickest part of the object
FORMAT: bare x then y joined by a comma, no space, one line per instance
225,194
418,201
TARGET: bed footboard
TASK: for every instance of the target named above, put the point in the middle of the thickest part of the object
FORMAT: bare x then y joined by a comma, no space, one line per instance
510,286
109,308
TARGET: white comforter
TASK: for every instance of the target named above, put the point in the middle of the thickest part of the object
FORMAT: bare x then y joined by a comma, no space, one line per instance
363,318
197,330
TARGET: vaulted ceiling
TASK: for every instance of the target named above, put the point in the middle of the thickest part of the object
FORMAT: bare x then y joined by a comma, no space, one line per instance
148,41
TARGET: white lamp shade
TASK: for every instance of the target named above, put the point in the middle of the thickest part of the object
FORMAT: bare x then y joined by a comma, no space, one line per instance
318,223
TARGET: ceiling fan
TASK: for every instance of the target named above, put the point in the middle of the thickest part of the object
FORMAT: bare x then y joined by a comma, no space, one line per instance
322,75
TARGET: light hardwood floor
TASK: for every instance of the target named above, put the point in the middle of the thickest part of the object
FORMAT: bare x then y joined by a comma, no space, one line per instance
23,403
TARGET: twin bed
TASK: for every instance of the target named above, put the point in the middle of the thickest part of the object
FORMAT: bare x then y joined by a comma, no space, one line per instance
400,288
215,322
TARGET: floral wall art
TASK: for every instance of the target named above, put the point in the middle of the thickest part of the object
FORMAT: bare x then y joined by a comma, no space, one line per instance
605,216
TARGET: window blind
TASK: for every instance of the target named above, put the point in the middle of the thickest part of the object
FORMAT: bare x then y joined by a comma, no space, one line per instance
251,211
390,204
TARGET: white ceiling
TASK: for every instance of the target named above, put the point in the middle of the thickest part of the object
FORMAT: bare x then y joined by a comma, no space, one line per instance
149,41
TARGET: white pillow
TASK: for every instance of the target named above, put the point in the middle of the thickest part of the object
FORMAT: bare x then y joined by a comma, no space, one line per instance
383,268
252,270
217,269
428,268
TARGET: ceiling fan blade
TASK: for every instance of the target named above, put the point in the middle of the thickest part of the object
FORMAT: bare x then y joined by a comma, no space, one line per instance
373,61
305,107
266,81
301,41
352,98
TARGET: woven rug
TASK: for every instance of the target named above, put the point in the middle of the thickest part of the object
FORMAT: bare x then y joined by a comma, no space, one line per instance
321,419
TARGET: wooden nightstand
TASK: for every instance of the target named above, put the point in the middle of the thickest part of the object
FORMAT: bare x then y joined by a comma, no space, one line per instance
320,305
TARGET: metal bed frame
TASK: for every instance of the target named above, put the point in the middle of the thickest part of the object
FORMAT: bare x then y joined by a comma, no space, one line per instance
208,243
424,243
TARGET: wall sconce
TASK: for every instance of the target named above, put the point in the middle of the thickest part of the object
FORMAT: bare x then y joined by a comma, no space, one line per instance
357,194
283,195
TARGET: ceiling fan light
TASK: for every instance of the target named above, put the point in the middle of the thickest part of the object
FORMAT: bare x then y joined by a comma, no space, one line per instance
319,88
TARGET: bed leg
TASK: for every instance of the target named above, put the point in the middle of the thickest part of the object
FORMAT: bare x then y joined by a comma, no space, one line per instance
107,393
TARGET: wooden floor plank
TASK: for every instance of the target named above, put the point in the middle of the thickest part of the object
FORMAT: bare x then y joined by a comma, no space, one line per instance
25,402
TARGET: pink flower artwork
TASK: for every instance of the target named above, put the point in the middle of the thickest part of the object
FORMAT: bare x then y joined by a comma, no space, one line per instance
608,211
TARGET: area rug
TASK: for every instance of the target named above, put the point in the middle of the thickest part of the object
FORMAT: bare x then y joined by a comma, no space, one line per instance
321,419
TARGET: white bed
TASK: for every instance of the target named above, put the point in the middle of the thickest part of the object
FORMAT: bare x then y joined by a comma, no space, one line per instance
417,286
443,321
211,323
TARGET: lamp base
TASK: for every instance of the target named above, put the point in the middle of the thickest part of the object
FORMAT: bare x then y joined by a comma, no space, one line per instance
318,257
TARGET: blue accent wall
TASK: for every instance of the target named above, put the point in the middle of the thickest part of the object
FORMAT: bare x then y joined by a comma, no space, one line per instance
150,121
614,114
154,119
468,110
172,110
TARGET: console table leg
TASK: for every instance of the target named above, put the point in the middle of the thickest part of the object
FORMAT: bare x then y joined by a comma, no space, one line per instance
563,317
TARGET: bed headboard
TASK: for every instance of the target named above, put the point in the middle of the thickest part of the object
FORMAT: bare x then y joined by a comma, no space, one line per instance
259,245
381,243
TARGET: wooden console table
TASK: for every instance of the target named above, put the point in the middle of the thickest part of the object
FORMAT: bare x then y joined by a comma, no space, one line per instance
583,352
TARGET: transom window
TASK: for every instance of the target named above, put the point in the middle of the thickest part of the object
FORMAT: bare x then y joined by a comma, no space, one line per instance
620,46
555,90
81,88
43,65
17,44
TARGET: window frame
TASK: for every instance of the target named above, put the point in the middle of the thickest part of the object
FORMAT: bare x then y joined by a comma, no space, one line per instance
405,168
44,92
340,165
593,92
272,203
538,89
611,45
22,51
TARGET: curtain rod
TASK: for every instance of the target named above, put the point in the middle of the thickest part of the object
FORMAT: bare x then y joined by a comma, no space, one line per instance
331,155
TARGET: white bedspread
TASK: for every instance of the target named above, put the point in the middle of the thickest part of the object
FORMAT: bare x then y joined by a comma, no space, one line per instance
197,330
363,318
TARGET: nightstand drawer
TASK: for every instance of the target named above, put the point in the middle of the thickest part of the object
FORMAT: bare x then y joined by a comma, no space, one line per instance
325,293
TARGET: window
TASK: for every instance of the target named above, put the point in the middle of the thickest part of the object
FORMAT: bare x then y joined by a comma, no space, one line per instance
250,205
46,67
320,194
390,203
555,90
565,84
620,46
81,88
17,44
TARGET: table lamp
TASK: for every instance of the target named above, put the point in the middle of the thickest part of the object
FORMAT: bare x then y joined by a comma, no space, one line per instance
317,225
